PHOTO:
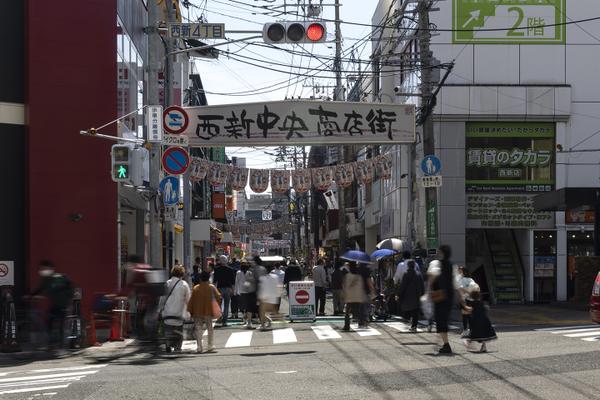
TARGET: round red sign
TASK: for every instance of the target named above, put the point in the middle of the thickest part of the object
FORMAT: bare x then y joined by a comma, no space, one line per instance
302,296
3,270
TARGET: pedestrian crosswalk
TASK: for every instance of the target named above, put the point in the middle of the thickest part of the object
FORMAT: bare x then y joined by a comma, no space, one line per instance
43,382
587,333
238,338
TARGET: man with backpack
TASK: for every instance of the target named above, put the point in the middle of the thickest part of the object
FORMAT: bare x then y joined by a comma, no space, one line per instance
59,291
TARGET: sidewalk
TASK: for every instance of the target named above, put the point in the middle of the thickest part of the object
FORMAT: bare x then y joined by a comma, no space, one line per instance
540,314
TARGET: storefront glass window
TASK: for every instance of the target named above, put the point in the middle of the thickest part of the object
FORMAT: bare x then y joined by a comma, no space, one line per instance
544,267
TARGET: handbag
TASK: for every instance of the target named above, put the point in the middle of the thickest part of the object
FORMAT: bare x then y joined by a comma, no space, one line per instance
216,307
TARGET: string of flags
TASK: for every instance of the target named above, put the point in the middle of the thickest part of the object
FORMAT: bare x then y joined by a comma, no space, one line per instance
301,179
264,228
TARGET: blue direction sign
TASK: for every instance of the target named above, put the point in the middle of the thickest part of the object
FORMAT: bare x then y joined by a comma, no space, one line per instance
431,165
169,187
175,160
175,120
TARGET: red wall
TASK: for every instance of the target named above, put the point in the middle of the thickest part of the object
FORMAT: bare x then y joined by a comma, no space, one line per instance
71,85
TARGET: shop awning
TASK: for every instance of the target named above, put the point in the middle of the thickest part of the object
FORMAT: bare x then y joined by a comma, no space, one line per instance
567,199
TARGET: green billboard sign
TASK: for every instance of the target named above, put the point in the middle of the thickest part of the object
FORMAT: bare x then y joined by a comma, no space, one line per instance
509,21
510,157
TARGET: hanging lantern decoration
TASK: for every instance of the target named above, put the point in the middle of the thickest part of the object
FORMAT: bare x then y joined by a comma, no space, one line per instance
198,169
365,171
344,175
280,180
217,174
384,166
259,180
238,178
322,178
301,180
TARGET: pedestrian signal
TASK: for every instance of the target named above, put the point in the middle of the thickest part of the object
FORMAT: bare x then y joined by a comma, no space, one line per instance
127,164
295,32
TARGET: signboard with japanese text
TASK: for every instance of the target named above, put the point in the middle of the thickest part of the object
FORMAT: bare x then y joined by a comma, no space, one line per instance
300,123
506,211
509,21
431,181
171,213
301,296
196,31
175,140
154,123
515,157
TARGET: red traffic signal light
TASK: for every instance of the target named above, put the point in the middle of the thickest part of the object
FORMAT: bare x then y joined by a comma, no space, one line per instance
295,32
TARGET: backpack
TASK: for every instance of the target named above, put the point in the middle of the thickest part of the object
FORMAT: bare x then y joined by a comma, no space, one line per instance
60,291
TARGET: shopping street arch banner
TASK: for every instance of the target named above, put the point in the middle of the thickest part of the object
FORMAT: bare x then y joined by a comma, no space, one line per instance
509,21
300,123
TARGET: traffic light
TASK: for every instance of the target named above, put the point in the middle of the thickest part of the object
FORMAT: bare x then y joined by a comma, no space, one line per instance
127,164
295,32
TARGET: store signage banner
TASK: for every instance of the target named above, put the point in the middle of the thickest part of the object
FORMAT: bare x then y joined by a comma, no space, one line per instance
300,123
515,157
506,211
509,21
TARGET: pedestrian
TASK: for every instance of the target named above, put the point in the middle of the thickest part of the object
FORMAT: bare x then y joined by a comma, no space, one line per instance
481,329
251,283
224,280
319,275
203,310
235,264
441,282
464,281
280,274
292,273
173,309
268,295
355,289
411,289
337,281
402,267
196,271
59,291
239,291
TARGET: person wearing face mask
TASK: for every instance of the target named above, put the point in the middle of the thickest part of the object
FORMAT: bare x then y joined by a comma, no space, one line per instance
59,291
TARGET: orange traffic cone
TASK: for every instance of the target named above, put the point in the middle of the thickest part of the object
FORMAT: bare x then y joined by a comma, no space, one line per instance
116,334
91,333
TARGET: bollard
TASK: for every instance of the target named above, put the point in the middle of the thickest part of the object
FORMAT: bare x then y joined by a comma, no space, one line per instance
9,325
116,329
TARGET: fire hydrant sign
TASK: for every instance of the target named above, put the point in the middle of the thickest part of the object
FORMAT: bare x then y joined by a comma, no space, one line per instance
509,21
302,301
7,273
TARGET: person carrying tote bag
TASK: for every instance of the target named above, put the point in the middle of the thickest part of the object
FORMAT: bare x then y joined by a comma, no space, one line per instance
204,306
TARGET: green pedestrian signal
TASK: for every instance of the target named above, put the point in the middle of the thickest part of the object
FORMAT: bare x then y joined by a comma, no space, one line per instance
122,172
127,164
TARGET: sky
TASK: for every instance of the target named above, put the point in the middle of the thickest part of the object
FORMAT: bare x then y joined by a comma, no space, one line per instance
226,77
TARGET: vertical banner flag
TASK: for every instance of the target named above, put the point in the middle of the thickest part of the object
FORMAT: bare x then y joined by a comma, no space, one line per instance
198,169
259,180
280,180
384,166
365,171
217,174
322,178
301,180
344,175
238,178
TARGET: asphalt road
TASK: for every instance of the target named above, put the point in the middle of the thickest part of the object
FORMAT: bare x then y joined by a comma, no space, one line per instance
310,361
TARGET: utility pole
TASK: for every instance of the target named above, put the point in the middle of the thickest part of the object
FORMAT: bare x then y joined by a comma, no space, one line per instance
428,136
155,50
306,239
339,96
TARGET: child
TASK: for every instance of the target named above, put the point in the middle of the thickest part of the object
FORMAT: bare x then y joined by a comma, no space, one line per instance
481,328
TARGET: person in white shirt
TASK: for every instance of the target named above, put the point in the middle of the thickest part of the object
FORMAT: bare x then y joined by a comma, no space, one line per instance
403,267
319,275
174,308
280,274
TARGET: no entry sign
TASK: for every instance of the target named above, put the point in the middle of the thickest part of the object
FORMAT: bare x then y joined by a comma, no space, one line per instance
302,301
175,160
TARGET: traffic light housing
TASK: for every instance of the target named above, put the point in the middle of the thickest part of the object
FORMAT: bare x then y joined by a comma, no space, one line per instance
127,164
295,32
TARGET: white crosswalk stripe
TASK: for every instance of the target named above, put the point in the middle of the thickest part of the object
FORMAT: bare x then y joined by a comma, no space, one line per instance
588,333
285,335
325,332
368,331
42,380
239,339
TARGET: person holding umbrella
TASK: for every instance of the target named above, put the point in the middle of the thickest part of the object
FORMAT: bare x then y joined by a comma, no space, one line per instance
358,288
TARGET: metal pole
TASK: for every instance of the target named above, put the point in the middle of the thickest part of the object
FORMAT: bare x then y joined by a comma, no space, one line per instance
338,95
155,51
428,136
